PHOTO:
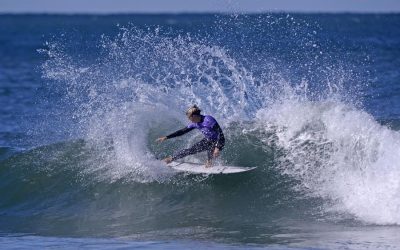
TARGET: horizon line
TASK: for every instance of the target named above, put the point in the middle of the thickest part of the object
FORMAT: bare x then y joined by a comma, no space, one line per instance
192,12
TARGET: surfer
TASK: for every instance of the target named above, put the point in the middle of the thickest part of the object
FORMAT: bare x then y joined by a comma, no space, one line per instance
213,141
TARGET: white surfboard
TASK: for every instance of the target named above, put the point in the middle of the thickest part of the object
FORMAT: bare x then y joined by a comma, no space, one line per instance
198,168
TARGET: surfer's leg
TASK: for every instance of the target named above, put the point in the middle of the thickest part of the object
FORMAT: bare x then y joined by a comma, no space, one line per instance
210,152
198,147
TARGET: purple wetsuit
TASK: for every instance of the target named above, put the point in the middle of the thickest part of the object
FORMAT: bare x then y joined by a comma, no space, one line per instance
213,137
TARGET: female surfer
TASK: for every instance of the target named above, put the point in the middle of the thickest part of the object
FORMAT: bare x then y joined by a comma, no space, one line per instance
213,141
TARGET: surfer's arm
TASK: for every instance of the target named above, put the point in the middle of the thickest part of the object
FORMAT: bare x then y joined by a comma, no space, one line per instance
179,132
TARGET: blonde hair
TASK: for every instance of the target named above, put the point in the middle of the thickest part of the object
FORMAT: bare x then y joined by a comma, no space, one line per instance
194,110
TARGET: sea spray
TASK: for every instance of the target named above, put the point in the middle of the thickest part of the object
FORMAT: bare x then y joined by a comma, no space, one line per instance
143,80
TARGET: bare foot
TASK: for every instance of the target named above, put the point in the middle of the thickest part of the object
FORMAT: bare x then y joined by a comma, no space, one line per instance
208,164
168,160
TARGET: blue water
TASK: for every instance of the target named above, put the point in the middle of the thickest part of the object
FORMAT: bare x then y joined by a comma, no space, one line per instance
311,100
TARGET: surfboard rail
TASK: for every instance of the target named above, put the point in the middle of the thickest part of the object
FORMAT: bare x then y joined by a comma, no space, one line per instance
199,168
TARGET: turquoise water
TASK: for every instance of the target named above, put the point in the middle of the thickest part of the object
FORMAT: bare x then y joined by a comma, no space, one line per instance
310,100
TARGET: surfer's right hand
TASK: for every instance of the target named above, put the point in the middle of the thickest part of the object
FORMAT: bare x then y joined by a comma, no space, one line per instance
161,139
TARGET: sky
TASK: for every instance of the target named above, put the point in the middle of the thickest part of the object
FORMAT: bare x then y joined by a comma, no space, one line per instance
185,6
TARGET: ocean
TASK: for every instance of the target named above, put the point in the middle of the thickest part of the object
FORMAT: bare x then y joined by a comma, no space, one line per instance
311,100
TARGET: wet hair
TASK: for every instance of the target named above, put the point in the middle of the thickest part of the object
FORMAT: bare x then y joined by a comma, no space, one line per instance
194,110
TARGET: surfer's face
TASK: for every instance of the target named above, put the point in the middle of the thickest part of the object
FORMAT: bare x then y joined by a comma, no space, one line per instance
194,118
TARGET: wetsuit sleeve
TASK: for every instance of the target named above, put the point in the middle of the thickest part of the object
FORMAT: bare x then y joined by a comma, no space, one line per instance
179,132
221,138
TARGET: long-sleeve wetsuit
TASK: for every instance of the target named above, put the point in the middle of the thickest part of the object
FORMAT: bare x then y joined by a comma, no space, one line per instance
213,137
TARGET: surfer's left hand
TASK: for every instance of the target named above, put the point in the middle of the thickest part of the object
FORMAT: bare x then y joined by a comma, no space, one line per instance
216,152
161,139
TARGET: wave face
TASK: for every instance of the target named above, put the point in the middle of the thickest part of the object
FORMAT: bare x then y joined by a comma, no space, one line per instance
297,117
